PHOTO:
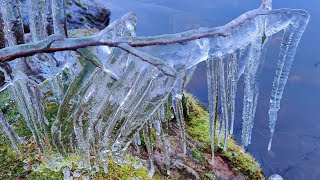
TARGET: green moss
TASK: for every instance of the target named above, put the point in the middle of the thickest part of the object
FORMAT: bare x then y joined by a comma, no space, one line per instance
198,123
10,165
44,175
198,128
81,5
82,19
12,114
123,172
208,176
264,37
69,15
69,3
198,156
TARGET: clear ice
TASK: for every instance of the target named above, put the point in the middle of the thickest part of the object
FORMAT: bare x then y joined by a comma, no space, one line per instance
106,95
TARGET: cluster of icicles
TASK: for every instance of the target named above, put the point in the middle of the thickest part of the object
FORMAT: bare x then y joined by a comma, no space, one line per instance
104,102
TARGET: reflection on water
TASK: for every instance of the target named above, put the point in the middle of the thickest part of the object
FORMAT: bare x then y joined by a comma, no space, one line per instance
296,144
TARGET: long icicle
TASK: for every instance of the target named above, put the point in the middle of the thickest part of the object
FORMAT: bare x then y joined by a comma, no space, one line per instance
148,141
12,18
178,111
290,41
223,102
59,17
37,26
164,135
212,93
2,33
232,87
251,91
158,120
48,17
11,135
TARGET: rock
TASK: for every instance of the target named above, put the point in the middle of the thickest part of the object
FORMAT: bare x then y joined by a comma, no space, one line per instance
87,14
80,14
186,171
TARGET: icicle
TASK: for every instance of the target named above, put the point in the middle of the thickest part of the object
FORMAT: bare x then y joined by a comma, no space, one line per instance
29,103
162,112
166,148
13,31
66,173
156,123
136,142
12,18
232,87
178,111
105,167
189,75
137,137
220,131
48,17
148,141
223,101
85,177
13,137
2,33
177,105
164,138
291,37
249,93
56,85
59,17
36,21
212,97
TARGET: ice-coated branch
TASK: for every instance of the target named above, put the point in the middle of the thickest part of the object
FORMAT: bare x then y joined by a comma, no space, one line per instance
167,70
71,44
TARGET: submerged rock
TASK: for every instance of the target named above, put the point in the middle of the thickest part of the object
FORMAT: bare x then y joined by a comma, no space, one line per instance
275,177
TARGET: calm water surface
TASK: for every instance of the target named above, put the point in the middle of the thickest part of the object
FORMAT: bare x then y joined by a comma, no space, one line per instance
296,146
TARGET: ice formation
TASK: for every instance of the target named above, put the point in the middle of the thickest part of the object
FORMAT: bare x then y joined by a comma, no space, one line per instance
107,94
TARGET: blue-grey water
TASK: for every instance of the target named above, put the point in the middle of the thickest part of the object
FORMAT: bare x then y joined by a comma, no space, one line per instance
296,145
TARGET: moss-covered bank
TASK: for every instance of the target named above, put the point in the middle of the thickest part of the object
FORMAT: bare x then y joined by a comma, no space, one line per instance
198,129
11,167
197,125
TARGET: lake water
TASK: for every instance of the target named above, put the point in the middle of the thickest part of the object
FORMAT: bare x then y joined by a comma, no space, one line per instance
296,144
